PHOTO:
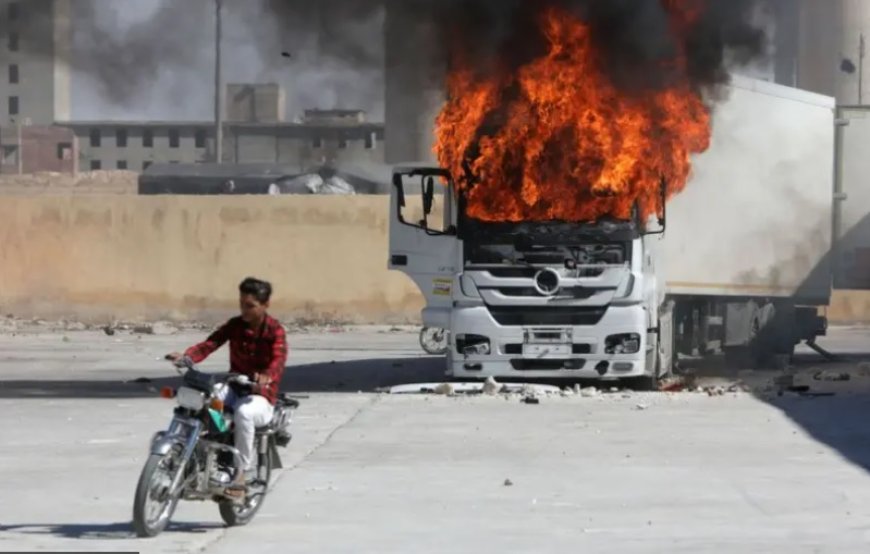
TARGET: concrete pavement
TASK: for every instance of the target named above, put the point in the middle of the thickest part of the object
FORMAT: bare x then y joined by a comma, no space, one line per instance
618,472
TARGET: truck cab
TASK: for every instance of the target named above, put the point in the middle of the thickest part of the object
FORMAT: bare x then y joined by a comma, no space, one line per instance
538,300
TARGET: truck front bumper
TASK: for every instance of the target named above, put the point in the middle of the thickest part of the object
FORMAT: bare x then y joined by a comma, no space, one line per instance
547,351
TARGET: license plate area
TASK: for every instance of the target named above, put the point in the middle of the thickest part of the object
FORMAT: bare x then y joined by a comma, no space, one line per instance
539,343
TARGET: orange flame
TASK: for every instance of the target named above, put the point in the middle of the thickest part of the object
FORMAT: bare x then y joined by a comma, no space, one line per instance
570,146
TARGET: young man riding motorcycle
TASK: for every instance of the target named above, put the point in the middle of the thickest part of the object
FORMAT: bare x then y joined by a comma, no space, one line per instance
258,349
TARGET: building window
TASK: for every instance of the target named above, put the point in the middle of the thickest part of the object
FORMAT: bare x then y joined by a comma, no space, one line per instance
13,74
146,165
317,142
95,138
148,138
121,164
13,10
13,42
200,138
96,165
13,105
64,151
174,138
121,138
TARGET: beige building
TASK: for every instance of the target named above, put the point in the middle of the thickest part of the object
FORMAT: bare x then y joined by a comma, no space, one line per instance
35,74
318,138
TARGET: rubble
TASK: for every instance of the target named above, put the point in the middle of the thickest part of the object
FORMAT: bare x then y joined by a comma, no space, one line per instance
491,387
84,182
445,389
589,392
831,376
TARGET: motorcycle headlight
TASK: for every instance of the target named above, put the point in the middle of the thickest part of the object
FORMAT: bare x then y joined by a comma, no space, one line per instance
189,398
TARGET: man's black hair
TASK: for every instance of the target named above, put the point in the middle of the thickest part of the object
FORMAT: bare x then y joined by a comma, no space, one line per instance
259,289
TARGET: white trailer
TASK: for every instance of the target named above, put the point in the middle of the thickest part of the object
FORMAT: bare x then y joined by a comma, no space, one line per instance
743,264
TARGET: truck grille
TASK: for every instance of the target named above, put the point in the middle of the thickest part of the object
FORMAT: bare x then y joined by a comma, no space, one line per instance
546,315
530,272
578,348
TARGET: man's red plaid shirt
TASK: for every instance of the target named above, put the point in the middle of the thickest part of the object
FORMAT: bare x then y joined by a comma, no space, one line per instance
252,351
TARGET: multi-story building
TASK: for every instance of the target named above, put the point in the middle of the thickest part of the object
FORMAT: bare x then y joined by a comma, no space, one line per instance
321,137
35,84
35,56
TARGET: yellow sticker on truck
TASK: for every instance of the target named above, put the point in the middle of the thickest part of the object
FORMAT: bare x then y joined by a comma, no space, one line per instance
442,286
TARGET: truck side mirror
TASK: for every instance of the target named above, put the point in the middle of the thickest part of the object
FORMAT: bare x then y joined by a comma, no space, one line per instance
400,189
428,194
662,220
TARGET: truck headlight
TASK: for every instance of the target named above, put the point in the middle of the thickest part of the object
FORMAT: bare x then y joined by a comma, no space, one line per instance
473,345
627,343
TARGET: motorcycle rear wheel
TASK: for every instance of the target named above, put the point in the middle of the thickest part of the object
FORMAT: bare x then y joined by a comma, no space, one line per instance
235,515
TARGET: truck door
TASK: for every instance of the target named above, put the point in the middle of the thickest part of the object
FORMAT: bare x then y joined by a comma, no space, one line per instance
423,241
852,199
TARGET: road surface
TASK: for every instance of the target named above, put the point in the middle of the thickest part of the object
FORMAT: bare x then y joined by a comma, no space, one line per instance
366,472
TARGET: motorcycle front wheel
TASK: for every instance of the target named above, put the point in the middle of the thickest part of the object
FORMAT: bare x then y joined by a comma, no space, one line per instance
433,340
235,514
153,505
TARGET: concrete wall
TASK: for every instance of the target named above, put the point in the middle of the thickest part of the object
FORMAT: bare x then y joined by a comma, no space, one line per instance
127,257
96,258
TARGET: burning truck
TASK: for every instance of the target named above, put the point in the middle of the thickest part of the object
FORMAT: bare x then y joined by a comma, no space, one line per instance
579,228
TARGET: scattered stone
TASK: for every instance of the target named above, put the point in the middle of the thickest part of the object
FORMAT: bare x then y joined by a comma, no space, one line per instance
672,384
626,395
508,483
76,326
589,392
491,387
614,389
445,389
143,330
109,330
831,376
577,388
642,406
530,400
163,328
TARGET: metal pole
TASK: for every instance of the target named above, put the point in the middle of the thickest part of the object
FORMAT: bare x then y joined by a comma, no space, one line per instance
218,86
862,51
20,148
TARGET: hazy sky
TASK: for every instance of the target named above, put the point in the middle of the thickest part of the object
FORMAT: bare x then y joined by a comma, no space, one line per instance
183,84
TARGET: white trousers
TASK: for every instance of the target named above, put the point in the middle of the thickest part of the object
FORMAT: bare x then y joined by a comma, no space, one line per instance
249,412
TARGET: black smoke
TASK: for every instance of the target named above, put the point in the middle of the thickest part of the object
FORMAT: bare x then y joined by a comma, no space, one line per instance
329,38
634,39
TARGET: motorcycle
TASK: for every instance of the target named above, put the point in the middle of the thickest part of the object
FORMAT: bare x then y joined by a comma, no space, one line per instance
194,458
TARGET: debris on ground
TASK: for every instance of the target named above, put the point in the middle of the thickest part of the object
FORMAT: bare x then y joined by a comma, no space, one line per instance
109,330
531,400
827,375
508,483
642,406
164,328
491,387
589,392
143,330
445,389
